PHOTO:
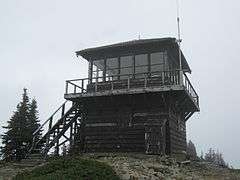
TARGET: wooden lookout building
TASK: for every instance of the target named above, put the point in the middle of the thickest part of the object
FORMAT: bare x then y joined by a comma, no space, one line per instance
136,98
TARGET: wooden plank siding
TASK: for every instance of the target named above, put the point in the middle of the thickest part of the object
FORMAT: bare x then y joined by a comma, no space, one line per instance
137,123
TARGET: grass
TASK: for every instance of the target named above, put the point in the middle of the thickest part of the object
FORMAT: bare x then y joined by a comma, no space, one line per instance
70,168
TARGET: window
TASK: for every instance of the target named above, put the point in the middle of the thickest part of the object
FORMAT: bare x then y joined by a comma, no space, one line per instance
97,73
141,63
112,67
159,62
126,66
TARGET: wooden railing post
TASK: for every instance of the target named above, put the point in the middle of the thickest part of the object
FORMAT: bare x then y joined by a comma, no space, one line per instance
82,85
50,123
145,81
163,78
180,77
63,110
96,85
75,89
112,84
66,90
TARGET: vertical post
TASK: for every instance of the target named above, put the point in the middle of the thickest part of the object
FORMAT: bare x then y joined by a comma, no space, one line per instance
82,85
96,85
134,66
49,127
112,84
71,135
57,144
75,89
128,83
104,69
145,81
90,69
163,78
149,63
66,90
119,67
50,123
63,110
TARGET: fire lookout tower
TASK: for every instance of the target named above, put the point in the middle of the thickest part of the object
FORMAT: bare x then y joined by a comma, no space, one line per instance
135,99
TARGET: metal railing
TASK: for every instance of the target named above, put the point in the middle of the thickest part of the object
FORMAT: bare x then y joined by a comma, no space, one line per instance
130,81
84,85
189,88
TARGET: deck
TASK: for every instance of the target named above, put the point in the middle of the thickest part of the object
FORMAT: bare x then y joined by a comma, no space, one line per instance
131,84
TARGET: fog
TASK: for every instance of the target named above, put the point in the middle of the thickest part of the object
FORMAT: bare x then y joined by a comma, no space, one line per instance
38,40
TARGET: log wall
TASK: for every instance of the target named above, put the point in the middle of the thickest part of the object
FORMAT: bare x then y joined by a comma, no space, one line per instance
137,124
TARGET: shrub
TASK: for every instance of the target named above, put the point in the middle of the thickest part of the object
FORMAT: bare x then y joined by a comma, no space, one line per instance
70,168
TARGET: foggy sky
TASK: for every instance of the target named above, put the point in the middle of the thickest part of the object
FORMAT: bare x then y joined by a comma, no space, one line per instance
38,40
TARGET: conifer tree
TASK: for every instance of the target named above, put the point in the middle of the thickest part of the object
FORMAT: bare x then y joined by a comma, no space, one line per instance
15,140
191,150
33,122
18,136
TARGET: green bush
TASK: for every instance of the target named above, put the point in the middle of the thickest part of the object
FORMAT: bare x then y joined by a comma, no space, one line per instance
70,168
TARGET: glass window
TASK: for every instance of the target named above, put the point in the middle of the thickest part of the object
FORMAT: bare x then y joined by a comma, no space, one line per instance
126,66
112,67
98,67
141,63
159,62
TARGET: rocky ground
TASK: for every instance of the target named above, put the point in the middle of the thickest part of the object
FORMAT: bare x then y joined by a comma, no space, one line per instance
145,167
9,170
140,167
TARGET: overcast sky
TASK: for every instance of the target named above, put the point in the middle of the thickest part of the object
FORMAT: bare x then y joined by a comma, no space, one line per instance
38,40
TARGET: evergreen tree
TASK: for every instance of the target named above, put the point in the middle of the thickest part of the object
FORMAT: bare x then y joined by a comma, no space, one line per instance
18,136
33,122
215,158
191,151
15,140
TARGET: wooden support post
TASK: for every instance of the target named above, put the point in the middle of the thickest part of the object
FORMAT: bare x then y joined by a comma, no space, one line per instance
96,85
90,69
71,134
134,68
75,89
66,90
57,143
163,78
119,68
104,70
149,63
112,85
145,81
63,110
50,123
181,77
82,85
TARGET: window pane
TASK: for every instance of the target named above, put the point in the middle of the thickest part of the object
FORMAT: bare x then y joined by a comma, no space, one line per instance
157,58
112,66
98,67
141,63
126,63
159,62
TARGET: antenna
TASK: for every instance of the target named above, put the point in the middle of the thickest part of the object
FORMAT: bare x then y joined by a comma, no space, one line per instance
139,36
179,35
